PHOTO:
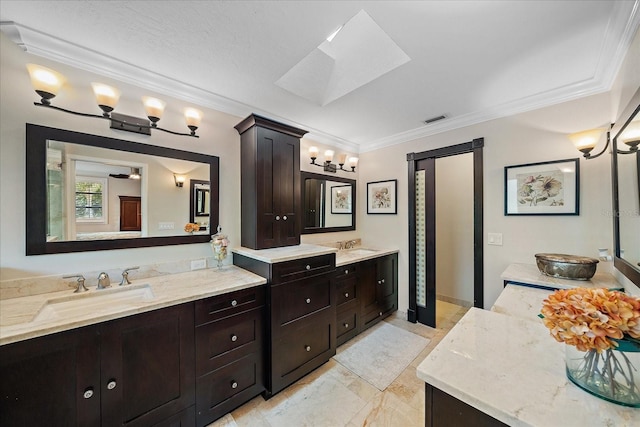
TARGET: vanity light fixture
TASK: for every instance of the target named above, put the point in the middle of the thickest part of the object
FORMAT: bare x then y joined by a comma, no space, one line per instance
135,173
179,179
328,164
47,84
586,141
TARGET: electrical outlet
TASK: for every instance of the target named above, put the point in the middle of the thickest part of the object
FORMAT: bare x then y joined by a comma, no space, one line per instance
198,264
166,225
495,239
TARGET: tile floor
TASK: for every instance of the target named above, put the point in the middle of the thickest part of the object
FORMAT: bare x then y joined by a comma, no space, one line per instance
333,396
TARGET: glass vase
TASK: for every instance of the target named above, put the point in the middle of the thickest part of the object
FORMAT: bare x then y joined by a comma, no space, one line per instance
611,375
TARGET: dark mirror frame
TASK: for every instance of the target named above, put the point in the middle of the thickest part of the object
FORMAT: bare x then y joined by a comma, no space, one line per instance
193,199
36,191
629,271
312,230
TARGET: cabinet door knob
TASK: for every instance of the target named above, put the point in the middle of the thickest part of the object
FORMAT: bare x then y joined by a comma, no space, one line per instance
380,314
284,217
111,385
346,272
308,267
234,338
234,384
346,294
88,393
277,217
346,325
234,303
308,300
307,347
382,280
379,282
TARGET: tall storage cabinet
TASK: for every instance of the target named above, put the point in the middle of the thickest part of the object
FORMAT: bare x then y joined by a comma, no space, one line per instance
271,200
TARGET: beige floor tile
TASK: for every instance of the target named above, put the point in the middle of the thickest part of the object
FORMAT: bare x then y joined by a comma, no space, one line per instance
386,410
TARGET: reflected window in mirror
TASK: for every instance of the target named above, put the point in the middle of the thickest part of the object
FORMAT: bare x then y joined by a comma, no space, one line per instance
328,203
626,193
87,192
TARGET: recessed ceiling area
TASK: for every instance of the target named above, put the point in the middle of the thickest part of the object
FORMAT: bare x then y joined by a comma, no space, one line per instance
391,66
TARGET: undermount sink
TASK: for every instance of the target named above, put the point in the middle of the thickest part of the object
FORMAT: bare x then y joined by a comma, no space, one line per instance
359,251
94,302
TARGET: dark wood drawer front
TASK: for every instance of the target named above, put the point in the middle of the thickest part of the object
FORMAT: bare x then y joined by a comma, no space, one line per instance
346,270
220,306
300,268
346,290
295,300
382,310
301,346
225,389
346,322
221,342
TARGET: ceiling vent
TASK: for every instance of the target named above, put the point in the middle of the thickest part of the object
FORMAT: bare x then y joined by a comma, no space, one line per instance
434,119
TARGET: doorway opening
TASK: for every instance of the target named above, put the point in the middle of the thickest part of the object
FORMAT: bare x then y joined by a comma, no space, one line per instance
445,231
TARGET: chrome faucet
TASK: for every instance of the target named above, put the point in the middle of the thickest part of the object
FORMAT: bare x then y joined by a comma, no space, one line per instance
80,287
125,276
350,244
103,281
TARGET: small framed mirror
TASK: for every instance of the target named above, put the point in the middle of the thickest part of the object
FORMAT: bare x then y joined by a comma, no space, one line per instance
329,203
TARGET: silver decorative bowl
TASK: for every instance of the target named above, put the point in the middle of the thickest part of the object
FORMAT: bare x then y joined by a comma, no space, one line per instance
564,266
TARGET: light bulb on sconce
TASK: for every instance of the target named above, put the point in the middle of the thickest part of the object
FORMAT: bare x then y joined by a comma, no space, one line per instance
631,136
47,84
587,140
179,179
328,164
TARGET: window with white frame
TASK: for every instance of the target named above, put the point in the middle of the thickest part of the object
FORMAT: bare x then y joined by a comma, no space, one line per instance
91,199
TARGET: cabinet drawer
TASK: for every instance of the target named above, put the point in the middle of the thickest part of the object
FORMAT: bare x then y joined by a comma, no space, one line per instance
300,268
220,306
221,342
301,346
223,390
346,270
346,322
346,290
293,301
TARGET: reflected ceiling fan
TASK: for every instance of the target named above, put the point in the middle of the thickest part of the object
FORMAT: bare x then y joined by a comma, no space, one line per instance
135,174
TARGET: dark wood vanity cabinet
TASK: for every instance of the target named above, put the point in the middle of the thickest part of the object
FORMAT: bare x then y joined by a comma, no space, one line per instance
229,352
135,371
444,410
378,289
348,314
270,183
301,316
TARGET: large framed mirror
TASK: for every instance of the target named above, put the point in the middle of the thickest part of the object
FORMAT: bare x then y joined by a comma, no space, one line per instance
88,192
626,191
329,203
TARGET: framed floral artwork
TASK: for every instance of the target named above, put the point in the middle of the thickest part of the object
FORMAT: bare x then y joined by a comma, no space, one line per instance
547,188
341,199
381,197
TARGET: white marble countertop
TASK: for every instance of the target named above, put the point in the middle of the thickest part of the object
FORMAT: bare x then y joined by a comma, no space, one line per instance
529,274
288,253
521,301
16,314
512,369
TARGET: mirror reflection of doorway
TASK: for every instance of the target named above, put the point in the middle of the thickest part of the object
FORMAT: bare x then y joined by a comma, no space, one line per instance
446,266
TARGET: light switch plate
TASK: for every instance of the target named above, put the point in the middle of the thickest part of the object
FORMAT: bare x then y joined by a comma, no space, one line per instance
495,239
166,225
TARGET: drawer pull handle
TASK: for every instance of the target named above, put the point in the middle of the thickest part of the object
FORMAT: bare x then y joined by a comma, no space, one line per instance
380,314
307,347
346,294
308,300
234,303
234,338
346,325
234,384
284,218
308,267
346,272
111,385
277,217
88,393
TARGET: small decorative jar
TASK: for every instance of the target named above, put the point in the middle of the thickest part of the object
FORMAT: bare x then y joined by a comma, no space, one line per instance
219,244
611,375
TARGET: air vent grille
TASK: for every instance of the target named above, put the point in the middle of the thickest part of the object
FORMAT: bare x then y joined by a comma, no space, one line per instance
434,119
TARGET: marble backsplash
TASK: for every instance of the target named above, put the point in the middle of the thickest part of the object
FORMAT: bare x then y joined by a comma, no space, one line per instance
44,284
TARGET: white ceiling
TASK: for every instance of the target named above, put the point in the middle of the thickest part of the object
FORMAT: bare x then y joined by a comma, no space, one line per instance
469,60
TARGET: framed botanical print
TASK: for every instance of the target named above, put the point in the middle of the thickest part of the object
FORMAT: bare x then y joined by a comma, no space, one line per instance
341,199
546,188
381,197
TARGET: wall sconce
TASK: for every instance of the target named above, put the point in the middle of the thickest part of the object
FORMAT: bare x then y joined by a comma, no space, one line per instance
135,173
586,141
47,84
328,159
179,179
